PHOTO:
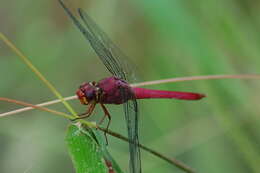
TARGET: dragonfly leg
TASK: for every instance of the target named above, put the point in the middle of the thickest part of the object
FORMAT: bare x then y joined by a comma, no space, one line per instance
109,119
87,113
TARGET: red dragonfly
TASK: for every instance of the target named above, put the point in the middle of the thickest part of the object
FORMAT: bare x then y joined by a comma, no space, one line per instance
115,89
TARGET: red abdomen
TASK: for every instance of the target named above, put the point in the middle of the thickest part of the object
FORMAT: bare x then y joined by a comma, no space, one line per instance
142,93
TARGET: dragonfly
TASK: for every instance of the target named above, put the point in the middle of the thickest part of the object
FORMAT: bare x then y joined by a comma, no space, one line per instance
116,89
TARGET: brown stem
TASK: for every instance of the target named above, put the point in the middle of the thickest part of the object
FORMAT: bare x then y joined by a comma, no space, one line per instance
172,161
191,78
117,135
171,80
35,107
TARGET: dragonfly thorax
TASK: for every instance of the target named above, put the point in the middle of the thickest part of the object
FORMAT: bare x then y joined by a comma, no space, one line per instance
89,93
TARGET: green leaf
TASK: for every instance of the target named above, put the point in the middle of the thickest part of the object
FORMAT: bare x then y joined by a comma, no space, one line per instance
84,151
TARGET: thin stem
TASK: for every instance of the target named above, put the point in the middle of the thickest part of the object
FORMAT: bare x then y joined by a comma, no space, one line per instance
37,72
36,107
191,78
89,124
172,161
175,162
156,82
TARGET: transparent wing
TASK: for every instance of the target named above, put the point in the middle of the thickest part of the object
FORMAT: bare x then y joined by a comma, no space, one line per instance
98,41
131,116
111,55
103,46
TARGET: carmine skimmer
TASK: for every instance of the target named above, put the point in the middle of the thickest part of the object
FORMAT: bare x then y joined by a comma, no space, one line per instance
115,89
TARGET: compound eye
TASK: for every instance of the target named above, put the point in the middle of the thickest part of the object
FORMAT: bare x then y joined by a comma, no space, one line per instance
90,95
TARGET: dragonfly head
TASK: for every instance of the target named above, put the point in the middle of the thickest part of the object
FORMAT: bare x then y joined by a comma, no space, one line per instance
88,93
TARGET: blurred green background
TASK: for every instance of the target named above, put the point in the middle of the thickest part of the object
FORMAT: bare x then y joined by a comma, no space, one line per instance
164,39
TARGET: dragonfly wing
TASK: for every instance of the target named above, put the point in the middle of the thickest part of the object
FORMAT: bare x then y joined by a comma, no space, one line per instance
131,116
97,42
102,46
112,55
